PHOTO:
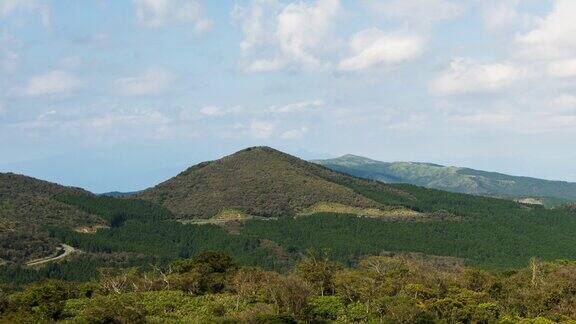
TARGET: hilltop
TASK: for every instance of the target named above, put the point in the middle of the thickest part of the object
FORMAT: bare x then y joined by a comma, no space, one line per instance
27,205
456,179
259,181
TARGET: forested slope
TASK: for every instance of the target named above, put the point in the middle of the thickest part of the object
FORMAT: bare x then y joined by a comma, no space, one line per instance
259,181
27,205
455,179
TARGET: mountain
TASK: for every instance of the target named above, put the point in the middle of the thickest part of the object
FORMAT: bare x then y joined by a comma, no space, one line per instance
118,194
259,181
27,206
456,179
300,206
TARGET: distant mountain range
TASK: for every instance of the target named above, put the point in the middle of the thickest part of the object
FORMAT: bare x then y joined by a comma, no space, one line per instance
457,179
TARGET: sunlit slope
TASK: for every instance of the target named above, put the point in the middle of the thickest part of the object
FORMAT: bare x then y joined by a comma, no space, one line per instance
455,179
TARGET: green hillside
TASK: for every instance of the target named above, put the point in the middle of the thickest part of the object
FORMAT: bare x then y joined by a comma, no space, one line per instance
284,192
455,179
27,205
258,181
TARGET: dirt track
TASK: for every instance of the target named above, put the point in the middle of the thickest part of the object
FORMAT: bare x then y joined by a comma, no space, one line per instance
64,251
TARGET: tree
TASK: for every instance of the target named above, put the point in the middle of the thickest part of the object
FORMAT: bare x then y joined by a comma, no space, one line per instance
318,271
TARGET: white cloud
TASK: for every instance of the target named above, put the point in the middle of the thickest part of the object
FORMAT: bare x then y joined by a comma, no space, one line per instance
302,29
502,16
10,7
294,35
562,68
262,129
265,65
553,37
52,83
215,111
111,124
298,106
154,81
212,111
157,13
465,75
422,11
294,133
372,47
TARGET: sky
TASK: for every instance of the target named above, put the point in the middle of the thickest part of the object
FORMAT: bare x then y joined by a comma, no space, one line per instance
122,94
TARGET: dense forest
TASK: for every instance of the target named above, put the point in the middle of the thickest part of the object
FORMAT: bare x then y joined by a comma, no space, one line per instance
213,288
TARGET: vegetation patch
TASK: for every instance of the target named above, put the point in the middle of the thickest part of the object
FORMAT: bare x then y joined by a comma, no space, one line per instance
213,288
90,229
336,208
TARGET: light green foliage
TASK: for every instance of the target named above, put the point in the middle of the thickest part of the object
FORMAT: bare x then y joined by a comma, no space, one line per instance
454,179
382,289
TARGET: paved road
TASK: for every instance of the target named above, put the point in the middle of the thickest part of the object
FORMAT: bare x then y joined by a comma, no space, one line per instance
65,250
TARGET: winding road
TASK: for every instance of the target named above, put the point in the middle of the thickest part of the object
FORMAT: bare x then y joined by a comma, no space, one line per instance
63,251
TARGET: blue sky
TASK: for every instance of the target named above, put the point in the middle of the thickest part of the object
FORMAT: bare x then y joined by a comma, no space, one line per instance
119,94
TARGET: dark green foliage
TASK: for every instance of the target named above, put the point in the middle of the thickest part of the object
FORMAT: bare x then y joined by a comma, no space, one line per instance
275,319
167,240
117,310
116,211
81,268
491,241
208,272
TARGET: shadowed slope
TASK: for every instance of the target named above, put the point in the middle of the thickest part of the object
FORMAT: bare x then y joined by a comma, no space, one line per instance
27,205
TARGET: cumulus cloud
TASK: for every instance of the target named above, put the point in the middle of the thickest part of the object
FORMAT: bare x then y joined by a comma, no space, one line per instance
157,13
9,7
553,37
298,106
373,47
52,83
466,75
152,82
293,35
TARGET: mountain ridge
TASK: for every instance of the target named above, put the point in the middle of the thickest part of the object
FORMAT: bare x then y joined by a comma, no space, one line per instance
455,179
